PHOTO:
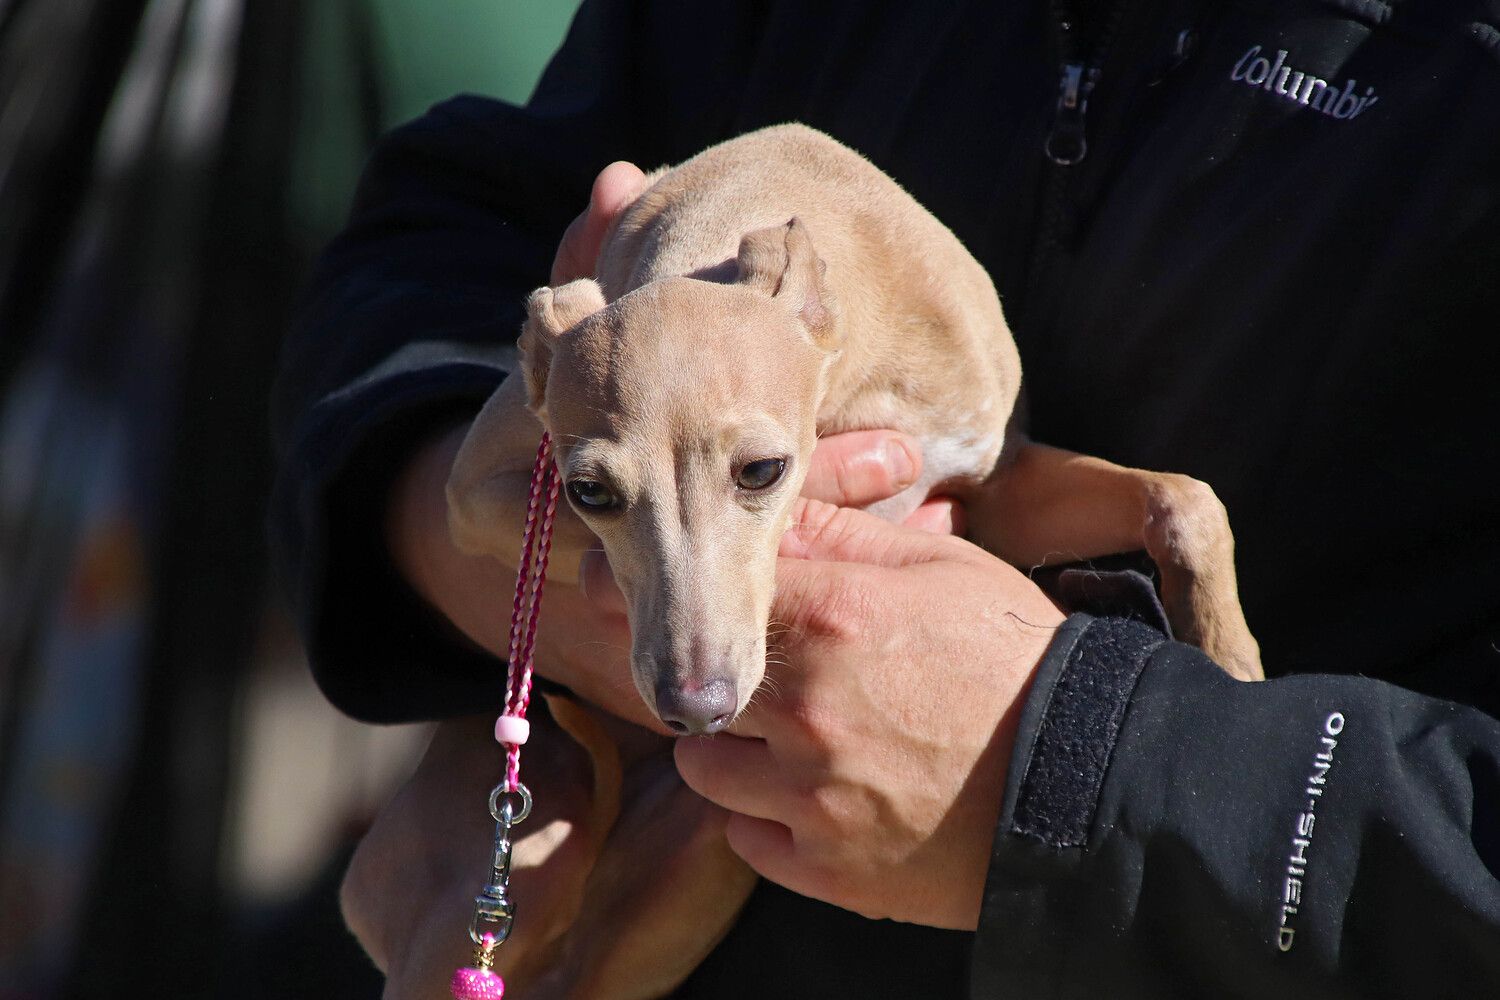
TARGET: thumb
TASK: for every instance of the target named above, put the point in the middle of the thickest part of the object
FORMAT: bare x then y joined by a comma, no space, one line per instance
823,532
614,189
855,468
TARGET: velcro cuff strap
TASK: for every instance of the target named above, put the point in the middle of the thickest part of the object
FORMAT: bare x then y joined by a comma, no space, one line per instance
1059,791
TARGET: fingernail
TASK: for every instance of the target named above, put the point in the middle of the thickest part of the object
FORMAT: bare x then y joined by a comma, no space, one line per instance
901,462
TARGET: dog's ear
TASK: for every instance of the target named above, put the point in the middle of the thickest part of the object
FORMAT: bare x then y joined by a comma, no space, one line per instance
551,312
781,262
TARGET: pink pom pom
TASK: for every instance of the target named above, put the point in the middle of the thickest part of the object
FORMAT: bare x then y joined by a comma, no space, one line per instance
477,984
512,729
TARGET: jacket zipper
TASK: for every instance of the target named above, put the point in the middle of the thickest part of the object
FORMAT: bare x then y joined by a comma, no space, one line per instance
1078,76
1066,142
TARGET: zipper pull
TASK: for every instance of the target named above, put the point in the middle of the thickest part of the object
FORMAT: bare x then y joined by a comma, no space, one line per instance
1067,144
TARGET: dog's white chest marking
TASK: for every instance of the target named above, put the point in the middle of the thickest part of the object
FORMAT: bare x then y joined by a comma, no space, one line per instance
966,458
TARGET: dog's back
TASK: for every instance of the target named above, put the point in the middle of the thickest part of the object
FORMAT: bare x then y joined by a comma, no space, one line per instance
925,347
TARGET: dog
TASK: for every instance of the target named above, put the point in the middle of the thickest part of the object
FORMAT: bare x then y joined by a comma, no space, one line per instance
774,288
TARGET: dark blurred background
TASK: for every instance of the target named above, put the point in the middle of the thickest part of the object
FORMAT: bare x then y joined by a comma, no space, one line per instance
177,801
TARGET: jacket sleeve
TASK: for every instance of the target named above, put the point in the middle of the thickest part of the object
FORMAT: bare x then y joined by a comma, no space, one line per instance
1168,831
405,327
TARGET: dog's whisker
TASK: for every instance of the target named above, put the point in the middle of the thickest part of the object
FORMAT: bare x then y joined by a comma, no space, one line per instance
769,688
784,629
611,647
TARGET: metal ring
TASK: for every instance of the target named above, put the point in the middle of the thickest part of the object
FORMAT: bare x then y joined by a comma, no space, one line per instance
506,813
1066,159
502,924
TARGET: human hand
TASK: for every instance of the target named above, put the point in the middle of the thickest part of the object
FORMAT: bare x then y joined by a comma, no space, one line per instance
658,873
409,891
870,776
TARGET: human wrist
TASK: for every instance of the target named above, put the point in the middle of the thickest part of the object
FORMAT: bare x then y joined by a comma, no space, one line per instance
416,509
459,587
1030,645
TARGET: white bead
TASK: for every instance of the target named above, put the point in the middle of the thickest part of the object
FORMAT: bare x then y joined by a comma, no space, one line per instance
512,729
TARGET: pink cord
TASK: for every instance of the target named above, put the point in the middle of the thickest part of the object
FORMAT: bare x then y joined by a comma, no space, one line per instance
479,982
526,608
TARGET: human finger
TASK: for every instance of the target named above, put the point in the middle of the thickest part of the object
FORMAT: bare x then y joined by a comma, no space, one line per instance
770,849
858,468
732,772
820,600
823,532
937,516
614,189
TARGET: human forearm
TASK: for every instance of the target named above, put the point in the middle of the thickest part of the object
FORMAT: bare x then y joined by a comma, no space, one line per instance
465,587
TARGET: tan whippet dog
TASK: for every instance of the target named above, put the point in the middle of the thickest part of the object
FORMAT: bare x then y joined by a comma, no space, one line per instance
771,289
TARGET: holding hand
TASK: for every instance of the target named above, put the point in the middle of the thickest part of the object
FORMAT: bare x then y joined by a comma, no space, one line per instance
870,774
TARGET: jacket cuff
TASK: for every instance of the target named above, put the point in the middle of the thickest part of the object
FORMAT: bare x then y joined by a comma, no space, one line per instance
1154,836
1064,744
377,651
1074,716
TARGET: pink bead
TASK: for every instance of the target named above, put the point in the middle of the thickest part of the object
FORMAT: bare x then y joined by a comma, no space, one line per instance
512,729
476,984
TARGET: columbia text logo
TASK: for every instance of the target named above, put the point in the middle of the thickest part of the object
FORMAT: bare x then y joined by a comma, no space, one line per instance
1275,76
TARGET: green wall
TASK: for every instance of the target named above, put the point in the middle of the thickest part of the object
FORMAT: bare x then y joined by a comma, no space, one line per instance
421,52
438,48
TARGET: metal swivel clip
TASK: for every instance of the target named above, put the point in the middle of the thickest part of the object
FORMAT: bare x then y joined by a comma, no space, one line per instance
494,912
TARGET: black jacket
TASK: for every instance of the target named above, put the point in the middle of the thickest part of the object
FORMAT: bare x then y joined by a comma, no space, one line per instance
1268,258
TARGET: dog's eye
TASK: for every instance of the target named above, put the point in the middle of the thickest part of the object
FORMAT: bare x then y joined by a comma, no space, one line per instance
591,494
760,474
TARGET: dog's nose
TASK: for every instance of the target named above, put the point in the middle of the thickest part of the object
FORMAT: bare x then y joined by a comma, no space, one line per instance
705,708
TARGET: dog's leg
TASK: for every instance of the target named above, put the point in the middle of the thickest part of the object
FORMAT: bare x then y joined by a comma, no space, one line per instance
1046,505
491,481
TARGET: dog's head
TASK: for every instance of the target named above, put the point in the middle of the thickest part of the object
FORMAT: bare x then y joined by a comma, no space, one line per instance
684,415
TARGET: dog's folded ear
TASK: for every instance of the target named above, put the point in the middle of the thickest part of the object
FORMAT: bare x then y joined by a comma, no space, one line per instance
781,262
551,312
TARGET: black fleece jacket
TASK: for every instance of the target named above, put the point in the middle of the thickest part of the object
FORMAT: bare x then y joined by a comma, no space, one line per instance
1258,243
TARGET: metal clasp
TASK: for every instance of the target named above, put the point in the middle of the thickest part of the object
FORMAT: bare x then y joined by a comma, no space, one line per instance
494,913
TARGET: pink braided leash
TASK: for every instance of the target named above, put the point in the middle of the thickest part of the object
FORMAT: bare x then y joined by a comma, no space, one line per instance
526,608
493,906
